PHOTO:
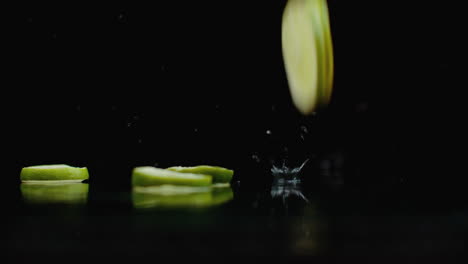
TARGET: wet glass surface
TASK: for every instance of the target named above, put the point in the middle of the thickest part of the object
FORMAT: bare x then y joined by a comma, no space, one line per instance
290,218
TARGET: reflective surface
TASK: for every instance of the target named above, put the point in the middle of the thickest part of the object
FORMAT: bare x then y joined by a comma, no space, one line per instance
176,197
289,218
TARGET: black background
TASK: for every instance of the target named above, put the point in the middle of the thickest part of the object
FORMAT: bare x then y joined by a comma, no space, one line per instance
111,87
115,86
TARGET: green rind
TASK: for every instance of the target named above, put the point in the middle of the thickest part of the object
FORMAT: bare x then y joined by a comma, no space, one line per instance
53,172
219,174
313,8
148,176
328,45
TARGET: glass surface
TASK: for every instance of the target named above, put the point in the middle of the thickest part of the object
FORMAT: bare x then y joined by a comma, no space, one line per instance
290,217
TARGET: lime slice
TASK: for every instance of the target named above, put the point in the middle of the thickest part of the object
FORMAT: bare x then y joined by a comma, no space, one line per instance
219,174
308,53
147,176
55,193
59,172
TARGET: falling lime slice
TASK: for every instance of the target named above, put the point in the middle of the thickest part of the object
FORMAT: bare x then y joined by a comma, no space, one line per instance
147,176
54,193
219,174
59,172
308,53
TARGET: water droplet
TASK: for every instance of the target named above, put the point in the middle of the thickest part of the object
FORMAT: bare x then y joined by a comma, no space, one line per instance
268,132
304,131
256,158
121,17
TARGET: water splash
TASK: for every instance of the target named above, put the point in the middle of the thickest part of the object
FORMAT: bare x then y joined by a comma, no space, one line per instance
285,173
256,158
286,182
304,132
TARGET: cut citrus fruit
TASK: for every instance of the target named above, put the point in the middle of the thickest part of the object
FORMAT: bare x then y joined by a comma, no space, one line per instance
308,53
58,172
219,174
148,176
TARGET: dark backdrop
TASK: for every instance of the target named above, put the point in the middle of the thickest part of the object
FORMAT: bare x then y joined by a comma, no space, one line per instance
117,86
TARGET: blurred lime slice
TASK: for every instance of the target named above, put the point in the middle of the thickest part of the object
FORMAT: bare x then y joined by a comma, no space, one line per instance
308,53
56,172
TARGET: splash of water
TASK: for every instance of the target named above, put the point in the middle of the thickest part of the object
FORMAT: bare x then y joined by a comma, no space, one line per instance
286,182
285,174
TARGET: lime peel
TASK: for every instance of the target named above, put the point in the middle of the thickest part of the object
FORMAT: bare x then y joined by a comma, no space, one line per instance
53,173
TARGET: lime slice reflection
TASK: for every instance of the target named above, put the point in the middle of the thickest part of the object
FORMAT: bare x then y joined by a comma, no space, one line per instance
55,193
179,197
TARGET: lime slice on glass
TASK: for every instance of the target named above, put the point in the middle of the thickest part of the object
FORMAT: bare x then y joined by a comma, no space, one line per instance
308,53
148,176
219,174
57,172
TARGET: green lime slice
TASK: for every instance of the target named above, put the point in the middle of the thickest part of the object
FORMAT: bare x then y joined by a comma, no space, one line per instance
147,176
308,53
219,174
58,172
55,193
